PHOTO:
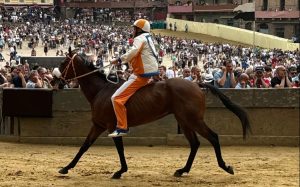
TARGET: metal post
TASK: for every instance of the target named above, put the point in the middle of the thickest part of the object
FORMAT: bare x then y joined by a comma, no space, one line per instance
253,34
254,28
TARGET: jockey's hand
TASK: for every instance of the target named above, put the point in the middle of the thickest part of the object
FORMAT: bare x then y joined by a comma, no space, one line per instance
114,61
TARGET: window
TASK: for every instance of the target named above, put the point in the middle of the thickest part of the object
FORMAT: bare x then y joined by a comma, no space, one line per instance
21,1
7,1
265,5
43,1
248,26
282,5
230,22
279,32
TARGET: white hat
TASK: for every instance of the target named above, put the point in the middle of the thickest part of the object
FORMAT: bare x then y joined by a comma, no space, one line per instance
142,24
208,78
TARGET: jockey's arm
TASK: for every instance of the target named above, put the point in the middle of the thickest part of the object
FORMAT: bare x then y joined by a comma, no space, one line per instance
137,45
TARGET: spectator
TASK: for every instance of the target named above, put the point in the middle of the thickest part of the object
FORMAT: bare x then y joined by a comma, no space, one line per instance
44,77
162,73
18,78
259,80
281,79
196,74
33,52
46,48
172,72
34,80
3,80
243,81
225,78
209,79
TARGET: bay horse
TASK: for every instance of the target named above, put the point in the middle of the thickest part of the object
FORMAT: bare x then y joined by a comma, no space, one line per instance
183,98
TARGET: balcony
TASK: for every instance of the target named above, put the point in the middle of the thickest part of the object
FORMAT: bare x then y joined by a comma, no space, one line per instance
122,4
277,14
215,8
180,9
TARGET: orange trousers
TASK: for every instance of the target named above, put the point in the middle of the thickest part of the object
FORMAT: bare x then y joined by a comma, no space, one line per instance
121,96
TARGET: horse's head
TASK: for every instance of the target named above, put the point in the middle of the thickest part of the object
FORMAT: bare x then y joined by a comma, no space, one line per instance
76,66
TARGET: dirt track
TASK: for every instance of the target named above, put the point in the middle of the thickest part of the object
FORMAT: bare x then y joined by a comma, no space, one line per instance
37,165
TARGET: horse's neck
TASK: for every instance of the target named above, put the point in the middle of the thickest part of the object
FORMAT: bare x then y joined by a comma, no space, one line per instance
90,86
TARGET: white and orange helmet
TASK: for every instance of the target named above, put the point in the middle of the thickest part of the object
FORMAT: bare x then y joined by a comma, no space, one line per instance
142,24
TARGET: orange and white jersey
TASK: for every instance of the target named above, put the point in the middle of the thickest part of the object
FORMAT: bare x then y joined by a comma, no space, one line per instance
142,56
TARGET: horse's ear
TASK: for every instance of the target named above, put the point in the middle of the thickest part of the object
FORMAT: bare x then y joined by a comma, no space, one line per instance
70,50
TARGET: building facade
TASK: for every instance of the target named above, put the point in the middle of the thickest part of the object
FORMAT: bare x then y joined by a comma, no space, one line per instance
278,17
211,11
24,3
122,10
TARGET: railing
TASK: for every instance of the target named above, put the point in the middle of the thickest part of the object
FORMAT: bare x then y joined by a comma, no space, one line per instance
180,9
141,4
88,4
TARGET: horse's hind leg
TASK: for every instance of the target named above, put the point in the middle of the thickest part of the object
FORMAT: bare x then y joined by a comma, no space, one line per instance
92,136
194,144
213,138
120,148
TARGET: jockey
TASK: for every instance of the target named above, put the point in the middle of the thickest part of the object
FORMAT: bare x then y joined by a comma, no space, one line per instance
143,59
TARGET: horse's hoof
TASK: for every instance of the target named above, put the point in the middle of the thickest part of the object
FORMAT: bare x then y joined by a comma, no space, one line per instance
177,174
116,176
63,171
230,170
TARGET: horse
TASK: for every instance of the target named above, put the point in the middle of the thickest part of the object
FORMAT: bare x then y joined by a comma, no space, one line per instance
183,98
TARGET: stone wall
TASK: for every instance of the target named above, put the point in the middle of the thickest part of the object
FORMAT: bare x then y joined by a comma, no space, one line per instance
273,113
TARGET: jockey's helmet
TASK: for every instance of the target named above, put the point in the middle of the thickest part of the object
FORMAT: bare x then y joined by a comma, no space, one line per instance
142,24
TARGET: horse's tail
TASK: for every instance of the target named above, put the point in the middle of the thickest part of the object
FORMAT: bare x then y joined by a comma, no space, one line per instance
237,110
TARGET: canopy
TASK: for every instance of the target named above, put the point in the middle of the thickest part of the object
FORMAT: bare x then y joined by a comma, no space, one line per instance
245,11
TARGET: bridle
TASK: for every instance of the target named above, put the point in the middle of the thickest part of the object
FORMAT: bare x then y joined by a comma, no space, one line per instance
71,65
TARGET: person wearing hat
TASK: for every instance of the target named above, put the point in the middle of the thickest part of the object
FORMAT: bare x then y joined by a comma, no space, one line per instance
209,79
259,80
143,59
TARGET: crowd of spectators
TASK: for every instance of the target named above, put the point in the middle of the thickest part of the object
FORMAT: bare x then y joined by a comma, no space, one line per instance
223,65
229,66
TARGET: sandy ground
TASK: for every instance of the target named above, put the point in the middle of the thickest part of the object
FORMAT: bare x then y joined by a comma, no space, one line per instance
38,165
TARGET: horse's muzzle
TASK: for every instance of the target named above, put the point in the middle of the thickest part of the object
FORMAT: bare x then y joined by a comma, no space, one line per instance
56,72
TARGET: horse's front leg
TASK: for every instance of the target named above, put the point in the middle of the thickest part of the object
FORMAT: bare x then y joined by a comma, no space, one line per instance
93,135
119,145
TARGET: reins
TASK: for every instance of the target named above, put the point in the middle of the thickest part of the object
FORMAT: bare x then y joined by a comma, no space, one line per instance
71,63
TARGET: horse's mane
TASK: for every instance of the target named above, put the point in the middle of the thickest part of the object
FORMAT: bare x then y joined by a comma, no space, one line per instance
92,67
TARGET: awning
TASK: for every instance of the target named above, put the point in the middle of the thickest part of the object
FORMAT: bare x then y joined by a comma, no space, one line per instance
246,7
245,11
